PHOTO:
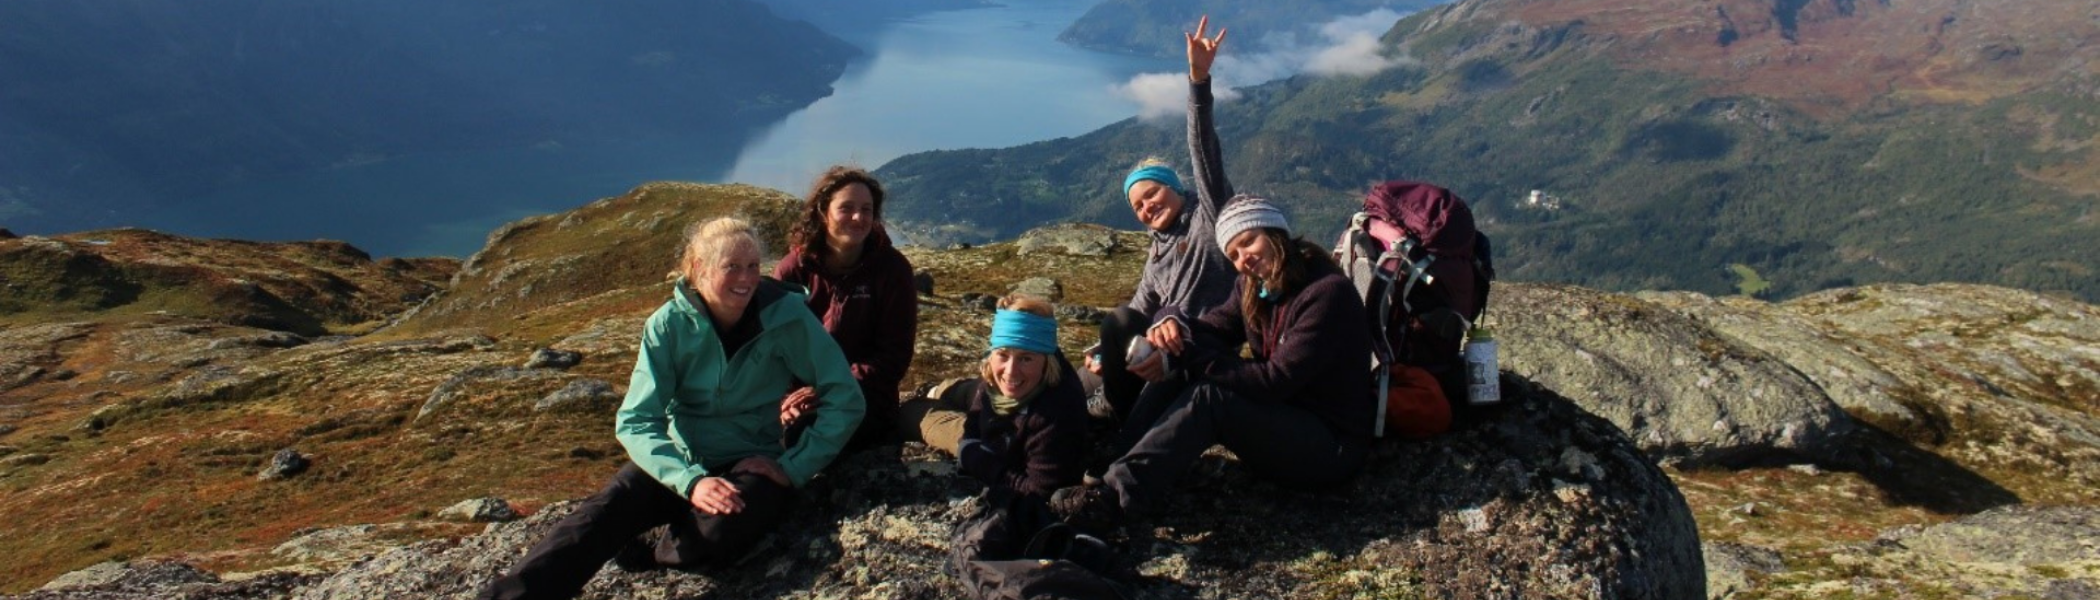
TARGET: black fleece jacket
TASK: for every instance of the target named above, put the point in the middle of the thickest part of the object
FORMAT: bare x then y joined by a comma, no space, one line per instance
1315,352
1036,450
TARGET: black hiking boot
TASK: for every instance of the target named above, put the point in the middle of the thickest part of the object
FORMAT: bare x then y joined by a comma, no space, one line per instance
637,556
1090,508
1090,552
1062,541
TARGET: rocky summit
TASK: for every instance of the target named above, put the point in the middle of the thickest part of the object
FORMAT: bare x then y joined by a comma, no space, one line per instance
1535,499
1881,441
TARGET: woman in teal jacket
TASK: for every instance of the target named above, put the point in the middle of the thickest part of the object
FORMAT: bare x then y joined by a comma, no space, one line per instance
701,424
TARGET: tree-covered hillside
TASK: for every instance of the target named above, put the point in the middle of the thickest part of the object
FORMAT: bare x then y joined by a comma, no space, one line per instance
1666,177
111,106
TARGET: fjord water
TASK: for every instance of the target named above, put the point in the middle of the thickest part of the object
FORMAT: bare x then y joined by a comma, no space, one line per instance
982,77
979,78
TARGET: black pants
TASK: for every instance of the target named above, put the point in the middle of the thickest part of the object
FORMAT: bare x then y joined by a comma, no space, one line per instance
1277,441
1118,385
560,565
995,554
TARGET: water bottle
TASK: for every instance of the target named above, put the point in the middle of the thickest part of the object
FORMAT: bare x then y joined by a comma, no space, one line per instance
1483,374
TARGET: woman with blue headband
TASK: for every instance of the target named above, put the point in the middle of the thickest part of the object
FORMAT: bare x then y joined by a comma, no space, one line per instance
1183,269
1023,437
1026,430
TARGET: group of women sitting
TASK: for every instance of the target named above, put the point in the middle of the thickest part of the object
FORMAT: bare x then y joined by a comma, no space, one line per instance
745,386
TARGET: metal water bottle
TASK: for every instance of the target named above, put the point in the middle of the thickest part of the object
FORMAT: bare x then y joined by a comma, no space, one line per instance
1483,373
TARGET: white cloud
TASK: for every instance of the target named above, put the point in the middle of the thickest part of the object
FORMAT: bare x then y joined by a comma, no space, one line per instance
1374,24
1348,47
1357,55
1158,95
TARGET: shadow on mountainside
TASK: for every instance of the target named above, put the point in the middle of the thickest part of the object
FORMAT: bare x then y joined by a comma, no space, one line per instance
1914,476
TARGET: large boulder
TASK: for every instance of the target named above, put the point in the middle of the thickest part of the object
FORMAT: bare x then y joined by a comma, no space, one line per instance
1980,374
1683,391
1534,499
1075,239
154,580
1856,382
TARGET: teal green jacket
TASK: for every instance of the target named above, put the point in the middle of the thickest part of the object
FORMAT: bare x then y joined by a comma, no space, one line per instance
691,412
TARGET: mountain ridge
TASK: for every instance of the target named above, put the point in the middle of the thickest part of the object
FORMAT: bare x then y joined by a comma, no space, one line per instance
1666,179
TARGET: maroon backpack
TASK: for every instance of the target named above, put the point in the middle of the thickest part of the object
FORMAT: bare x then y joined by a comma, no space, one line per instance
1424,272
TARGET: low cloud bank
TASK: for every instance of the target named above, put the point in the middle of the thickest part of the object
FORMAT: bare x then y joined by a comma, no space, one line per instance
1347,46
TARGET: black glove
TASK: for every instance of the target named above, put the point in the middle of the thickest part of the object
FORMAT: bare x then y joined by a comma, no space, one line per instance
978,459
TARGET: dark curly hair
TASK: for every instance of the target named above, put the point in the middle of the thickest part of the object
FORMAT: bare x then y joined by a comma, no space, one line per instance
808,235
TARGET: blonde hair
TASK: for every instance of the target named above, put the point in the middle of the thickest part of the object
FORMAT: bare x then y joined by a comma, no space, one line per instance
1152,161
707,242
1028,304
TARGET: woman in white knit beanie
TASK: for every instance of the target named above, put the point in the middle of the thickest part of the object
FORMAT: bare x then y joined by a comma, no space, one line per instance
1296,409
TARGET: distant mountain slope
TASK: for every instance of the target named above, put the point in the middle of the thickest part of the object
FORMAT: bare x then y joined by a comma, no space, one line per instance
1816,144
1153,27
111,107
309,288
572,260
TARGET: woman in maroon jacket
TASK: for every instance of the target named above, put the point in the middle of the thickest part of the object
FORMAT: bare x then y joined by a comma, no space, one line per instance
861,287
1297,412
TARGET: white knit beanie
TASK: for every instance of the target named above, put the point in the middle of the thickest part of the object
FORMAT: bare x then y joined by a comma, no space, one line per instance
1246,212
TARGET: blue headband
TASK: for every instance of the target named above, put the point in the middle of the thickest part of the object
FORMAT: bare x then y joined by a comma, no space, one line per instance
1023,330
1159,173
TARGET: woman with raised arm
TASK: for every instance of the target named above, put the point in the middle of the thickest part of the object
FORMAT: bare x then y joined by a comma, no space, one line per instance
861,287
1183,269
701,424
1298,412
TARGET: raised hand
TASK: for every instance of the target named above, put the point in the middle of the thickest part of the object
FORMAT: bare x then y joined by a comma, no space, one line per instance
1202,50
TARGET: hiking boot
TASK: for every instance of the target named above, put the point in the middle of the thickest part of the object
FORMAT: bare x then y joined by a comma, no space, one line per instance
1060,541
1087,507
1089,551
1050,543
637,556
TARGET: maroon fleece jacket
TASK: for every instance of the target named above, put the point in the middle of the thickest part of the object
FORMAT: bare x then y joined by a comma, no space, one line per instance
872,310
